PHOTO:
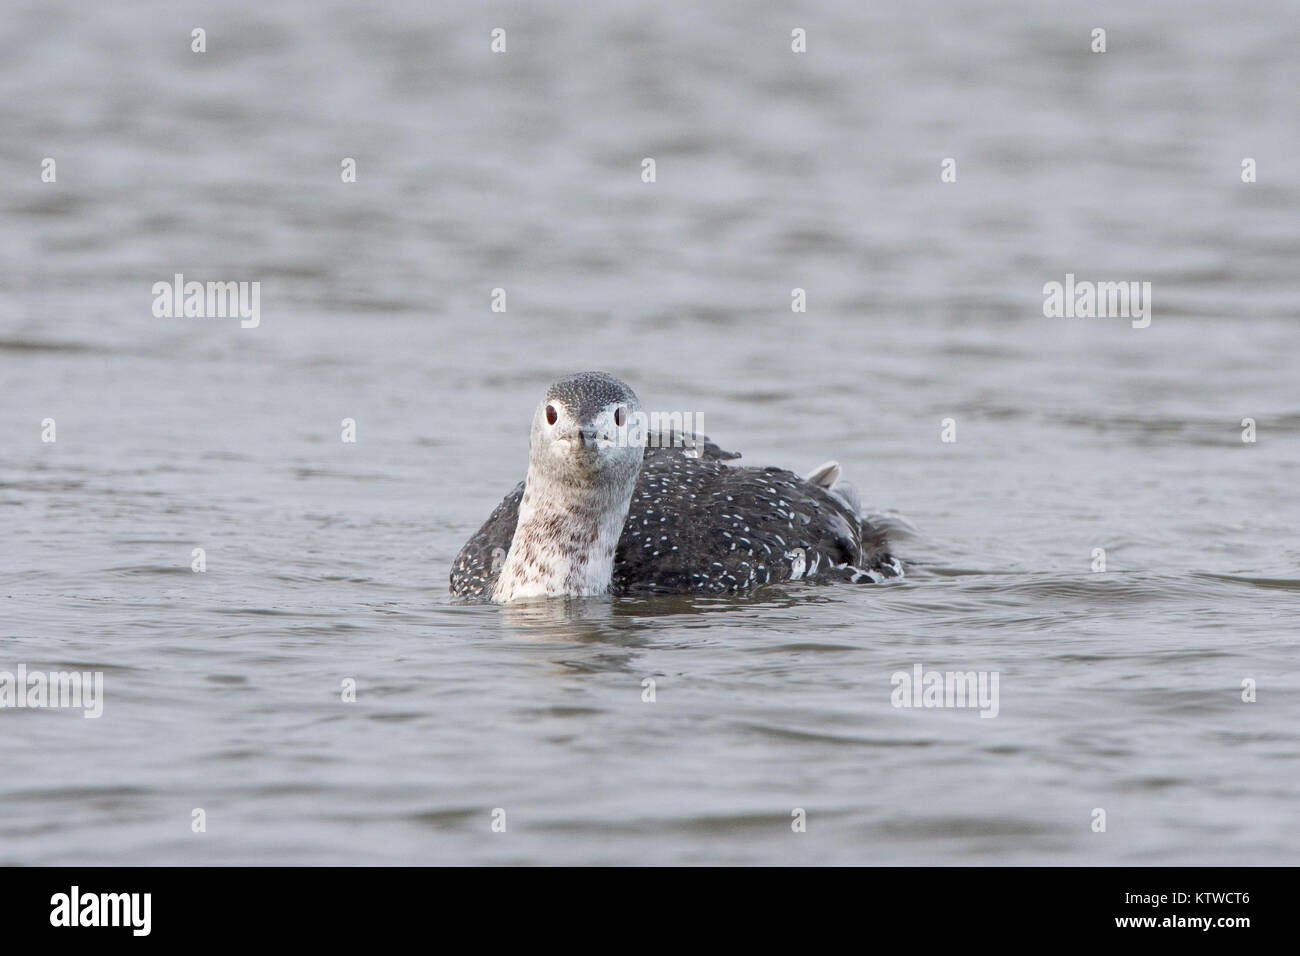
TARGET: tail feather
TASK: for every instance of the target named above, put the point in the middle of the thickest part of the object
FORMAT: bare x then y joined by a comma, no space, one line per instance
876,563
824,475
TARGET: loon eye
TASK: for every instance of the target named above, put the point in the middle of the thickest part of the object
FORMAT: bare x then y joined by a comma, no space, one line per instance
620,416
551,415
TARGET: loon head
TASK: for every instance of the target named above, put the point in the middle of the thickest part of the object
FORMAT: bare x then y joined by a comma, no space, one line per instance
586,433
583,459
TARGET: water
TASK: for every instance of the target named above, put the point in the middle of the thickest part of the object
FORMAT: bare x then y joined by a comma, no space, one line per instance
326,561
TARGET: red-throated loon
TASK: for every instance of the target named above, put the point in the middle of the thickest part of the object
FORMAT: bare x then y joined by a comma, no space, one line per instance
608,508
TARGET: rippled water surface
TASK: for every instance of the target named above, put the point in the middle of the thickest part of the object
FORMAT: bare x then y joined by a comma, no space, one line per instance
327,561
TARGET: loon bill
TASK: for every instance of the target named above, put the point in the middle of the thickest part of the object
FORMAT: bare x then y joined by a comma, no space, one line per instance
606,508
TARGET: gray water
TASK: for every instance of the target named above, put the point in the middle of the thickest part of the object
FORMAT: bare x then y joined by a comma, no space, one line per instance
326,561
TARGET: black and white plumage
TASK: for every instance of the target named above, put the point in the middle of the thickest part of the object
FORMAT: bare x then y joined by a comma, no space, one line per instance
664,516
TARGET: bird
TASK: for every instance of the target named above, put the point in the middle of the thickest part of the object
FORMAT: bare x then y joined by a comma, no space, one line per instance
615,502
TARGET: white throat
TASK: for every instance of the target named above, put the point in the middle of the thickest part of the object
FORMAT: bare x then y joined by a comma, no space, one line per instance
565,540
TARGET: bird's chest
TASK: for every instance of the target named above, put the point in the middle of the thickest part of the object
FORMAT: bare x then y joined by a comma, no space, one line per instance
546,566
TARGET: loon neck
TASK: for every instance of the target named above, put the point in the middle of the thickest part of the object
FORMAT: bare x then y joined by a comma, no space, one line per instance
565,540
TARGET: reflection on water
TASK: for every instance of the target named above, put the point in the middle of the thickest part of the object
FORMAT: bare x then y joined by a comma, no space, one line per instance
568,620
